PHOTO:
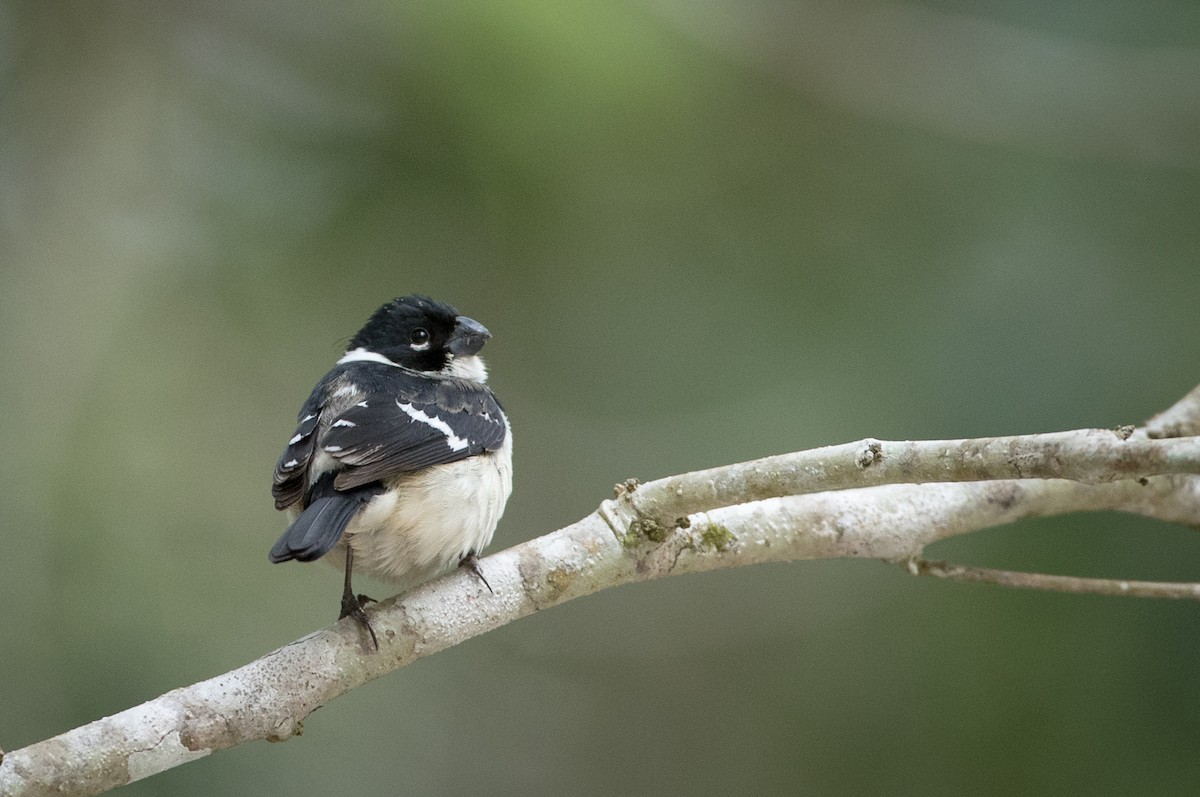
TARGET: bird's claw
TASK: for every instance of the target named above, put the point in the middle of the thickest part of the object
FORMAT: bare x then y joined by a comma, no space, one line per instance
471,563
352,606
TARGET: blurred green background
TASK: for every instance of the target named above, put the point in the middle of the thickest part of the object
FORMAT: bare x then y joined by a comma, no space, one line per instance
701,232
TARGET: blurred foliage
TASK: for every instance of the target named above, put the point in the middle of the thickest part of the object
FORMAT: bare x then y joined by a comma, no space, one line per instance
701,232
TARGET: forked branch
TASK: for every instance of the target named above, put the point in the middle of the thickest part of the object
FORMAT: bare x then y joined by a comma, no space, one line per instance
871,499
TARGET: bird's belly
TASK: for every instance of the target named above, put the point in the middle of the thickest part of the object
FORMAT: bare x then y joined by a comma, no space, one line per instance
434,518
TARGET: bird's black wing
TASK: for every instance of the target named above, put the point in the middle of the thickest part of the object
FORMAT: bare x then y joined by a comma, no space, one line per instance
291,472
410,421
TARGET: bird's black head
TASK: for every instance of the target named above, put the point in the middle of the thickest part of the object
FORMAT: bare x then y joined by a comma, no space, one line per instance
423,334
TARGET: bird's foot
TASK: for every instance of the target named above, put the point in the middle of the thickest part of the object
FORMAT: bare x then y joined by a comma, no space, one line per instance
352,606
471,563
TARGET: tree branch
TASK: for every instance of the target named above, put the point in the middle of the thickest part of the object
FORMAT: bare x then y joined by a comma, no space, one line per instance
871,499
1181,419
1086,455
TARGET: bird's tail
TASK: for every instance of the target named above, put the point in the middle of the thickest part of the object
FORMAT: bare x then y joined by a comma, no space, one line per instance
321,524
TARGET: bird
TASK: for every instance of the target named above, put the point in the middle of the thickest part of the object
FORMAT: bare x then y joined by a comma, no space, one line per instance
401,463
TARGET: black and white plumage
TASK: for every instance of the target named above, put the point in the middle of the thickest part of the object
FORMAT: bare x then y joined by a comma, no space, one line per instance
401,464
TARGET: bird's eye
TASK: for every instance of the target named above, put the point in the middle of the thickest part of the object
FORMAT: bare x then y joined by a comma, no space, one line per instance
419,335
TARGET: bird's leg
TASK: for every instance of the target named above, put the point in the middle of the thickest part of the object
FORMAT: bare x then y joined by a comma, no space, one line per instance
352,606
471,563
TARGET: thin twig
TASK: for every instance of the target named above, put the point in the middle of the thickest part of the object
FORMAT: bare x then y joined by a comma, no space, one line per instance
1182,590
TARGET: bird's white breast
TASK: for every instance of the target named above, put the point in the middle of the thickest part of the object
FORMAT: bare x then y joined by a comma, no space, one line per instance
432,519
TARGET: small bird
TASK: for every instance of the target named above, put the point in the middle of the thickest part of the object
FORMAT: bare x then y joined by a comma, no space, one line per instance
401,464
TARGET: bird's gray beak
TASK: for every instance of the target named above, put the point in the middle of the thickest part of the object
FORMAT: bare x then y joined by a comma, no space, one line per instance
468,337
